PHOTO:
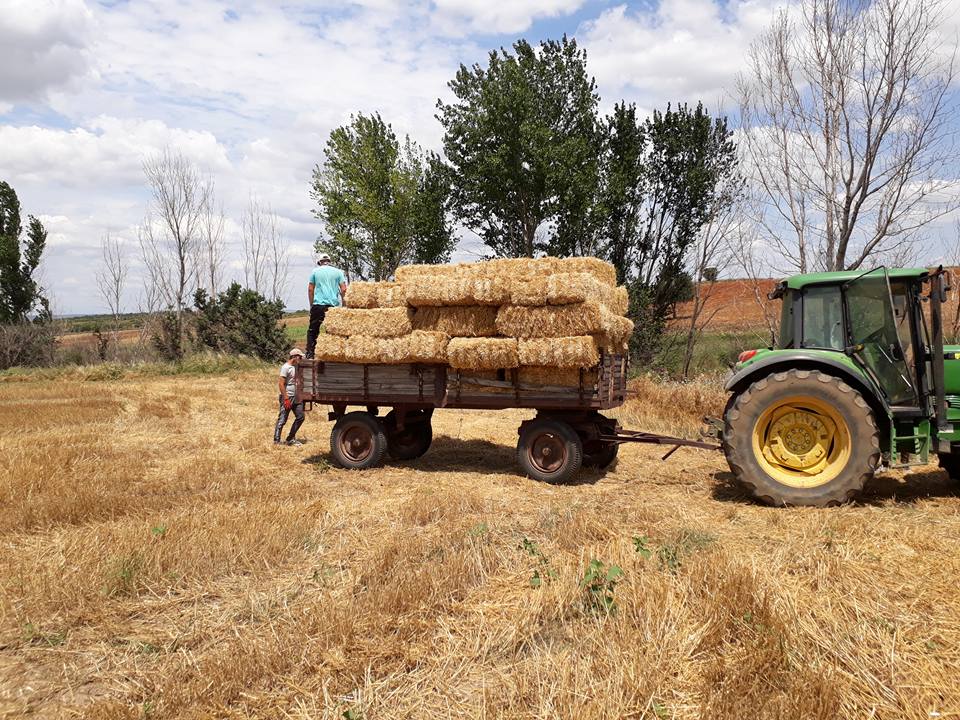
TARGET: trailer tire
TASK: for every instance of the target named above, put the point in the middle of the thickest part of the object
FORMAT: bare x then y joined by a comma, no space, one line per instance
415,438
598,454
801,437
358,441
950,463
549,451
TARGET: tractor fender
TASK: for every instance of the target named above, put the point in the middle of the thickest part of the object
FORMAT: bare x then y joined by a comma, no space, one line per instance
782,362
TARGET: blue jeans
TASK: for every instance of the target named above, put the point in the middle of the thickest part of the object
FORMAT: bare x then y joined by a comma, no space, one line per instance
282,420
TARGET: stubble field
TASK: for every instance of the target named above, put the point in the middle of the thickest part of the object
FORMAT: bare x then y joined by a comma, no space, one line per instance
159,558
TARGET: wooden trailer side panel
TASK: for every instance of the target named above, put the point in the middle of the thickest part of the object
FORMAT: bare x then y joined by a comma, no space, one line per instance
355,384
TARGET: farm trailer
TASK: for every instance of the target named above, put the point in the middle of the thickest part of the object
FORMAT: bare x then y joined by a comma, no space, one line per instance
567,433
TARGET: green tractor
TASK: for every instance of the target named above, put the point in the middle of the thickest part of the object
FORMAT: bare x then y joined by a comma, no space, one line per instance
860,378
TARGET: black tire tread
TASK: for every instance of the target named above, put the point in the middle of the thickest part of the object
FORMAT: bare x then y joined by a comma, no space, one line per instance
379,441
574,448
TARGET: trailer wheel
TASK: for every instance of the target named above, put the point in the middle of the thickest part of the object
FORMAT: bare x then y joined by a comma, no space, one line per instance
358,441
599,454
950,462
549,451
415,438
801,437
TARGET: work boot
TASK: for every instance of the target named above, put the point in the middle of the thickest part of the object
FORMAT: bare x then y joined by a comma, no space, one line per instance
294,443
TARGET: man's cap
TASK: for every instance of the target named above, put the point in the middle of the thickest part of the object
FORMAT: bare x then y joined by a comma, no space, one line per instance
323,257
296,351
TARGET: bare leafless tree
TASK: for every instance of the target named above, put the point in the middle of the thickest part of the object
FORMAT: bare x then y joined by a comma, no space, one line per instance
211,246
171,233
112,277
266,258
848,129
747,255
710,255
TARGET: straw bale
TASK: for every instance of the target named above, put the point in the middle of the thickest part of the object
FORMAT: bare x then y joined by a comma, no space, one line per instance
375,295
562,352
331,348
568,289
537,375
482,353
372,322
600,269
465,321
440,291
469,385
512,269
417,347
587,318
619,303
616,338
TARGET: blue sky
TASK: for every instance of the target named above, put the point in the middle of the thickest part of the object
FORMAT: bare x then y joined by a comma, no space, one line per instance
250,91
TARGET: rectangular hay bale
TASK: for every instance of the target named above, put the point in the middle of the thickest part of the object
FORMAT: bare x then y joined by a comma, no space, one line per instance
616,338
456,291
331,348
464,321
561,352
371,322
511,269
375,295
417,347
568,289
586,318
482,353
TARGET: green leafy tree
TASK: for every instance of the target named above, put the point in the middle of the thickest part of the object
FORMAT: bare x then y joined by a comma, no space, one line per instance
383,203
664,179
523,143
20,294
241,321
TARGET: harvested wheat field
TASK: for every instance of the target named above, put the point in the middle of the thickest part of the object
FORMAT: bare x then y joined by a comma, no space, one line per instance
159,558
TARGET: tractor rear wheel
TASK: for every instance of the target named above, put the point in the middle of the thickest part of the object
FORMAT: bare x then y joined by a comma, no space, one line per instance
801,437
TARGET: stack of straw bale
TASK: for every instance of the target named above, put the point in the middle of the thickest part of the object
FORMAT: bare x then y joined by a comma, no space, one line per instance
549,317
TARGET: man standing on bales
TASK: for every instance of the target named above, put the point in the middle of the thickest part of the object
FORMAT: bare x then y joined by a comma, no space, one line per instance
326,289
288,399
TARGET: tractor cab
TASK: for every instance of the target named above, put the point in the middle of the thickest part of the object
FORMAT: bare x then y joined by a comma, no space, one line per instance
856,380
874,318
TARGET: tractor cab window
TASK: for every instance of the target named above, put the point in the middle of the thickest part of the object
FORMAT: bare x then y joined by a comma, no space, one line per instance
786,319
822,318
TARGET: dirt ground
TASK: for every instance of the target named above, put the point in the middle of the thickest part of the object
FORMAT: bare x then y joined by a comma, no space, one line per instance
160,558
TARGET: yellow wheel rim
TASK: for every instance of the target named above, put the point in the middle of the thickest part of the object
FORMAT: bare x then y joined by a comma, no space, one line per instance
801,441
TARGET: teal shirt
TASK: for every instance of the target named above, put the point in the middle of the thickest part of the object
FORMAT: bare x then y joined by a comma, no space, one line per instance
326,281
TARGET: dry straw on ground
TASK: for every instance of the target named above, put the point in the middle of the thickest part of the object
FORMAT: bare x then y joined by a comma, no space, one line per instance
482,353
563,352
160,558
469,321
375,294
373,322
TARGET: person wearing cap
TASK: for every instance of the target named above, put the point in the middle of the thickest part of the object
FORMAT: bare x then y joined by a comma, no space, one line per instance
325,289
288,399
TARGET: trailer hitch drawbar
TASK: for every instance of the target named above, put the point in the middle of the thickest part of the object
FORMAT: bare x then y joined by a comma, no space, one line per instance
621,436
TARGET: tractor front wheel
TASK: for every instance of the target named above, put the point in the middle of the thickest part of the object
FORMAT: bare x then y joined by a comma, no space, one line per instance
950,462
801,437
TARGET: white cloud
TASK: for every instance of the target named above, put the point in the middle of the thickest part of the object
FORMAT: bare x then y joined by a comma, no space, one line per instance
44,46
109,151
680,50
489,17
